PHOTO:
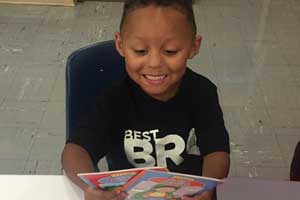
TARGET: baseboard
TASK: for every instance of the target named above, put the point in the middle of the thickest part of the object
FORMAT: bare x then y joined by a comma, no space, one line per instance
42,2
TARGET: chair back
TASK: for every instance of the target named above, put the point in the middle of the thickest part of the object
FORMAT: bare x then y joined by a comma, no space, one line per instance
89,71
295,165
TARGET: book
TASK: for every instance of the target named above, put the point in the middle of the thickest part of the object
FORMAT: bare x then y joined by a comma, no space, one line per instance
113,179
156,185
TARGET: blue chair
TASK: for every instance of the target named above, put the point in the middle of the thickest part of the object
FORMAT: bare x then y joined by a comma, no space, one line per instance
89,71
295,165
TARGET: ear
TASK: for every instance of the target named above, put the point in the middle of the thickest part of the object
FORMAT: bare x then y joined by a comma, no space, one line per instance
118,43
195,46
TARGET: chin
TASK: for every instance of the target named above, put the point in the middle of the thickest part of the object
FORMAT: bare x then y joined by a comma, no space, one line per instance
156,91
157,95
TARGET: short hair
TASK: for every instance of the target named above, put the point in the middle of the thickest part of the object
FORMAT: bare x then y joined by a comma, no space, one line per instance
186,6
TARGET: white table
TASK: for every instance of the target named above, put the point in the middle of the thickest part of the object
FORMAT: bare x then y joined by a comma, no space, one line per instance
38,187
238,188
49,187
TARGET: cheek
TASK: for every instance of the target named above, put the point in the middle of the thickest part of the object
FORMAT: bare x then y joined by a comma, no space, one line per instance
133,70
177,65
132,65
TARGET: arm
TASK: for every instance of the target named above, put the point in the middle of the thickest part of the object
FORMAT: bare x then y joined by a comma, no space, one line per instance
76,159
215,145
216,165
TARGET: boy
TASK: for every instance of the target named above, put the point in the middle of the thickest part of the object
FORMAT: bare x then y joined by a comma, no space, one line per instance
161,114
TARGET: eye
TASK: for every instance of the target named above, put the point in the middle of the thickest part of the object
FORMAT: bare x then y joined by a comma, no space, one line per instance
140,51
171,52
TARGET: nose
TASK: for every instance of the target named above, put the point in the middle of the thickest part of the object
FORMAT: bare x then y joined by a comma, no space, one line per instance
154,59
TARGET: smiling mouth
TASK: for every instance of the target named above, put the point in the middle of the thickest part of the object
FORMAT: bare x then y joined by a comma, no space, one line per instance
155,78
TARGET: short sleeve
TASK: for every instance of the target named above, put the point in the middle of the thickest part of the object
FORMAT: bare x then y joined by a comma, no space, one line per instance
92,129
210,128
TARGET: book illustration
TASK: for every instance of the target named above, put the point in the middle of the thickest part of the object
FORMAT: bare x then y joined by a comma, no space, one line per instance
115,180
156,191
112,179
166,185
160,191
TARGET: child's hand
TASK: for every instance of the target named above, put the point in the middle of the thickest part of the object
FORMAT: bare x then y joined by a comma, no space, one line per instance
208,195
97,194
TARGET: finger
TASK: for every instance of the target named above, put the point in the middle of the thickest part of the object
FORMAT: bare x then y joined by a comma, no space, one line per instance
91,194
187,198
202,197
111,194
192,198
207,195
122,195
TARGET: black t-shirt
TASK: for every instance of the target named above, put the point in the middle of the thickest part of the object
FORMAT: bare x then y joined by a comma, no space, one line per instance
132,129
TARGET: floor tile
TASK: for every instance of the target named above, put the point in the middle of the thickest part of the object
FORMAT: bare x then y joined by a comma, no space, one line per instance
273,173
21,114
96,10
287,144
242,95
259,150
222,3
295,70
7,75
59,91
54,116
285,97
59,15
203,57
285,118
276,75
250,121
21,31
289,39
43,167
292,56
49,53
232,171
33,84
91,31
288,131
267,54
44,157
55,31
11,166
48,144
14,51
236,74
16,143
235,56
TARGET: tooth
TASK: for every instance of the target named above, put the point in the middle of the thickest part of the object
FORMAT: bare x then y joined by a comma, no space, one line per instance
155,77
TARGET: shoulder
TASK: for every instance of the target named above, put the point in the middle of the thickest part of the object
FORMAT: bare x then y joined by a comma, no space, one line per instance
118,93
119,89
197,84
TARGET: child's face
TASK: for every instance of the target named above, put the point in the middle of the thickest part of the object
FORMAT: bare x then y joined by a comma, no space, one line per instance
156,43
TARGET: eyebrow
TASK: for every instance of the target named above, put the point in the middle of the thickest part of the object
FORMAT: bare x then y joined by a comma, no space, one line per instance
142,38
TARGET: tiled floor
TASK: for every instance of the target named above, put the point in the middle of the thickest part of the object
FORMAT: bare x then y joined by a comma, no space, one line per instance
250,50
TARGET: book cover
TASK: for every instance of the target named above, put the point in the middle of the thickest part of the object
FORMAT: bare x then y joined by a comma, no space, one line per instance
113,179
156,185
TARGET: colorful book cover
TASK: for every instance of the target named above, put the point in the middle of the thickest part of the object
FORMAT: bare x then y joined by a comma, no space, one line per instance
113,179
156,185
